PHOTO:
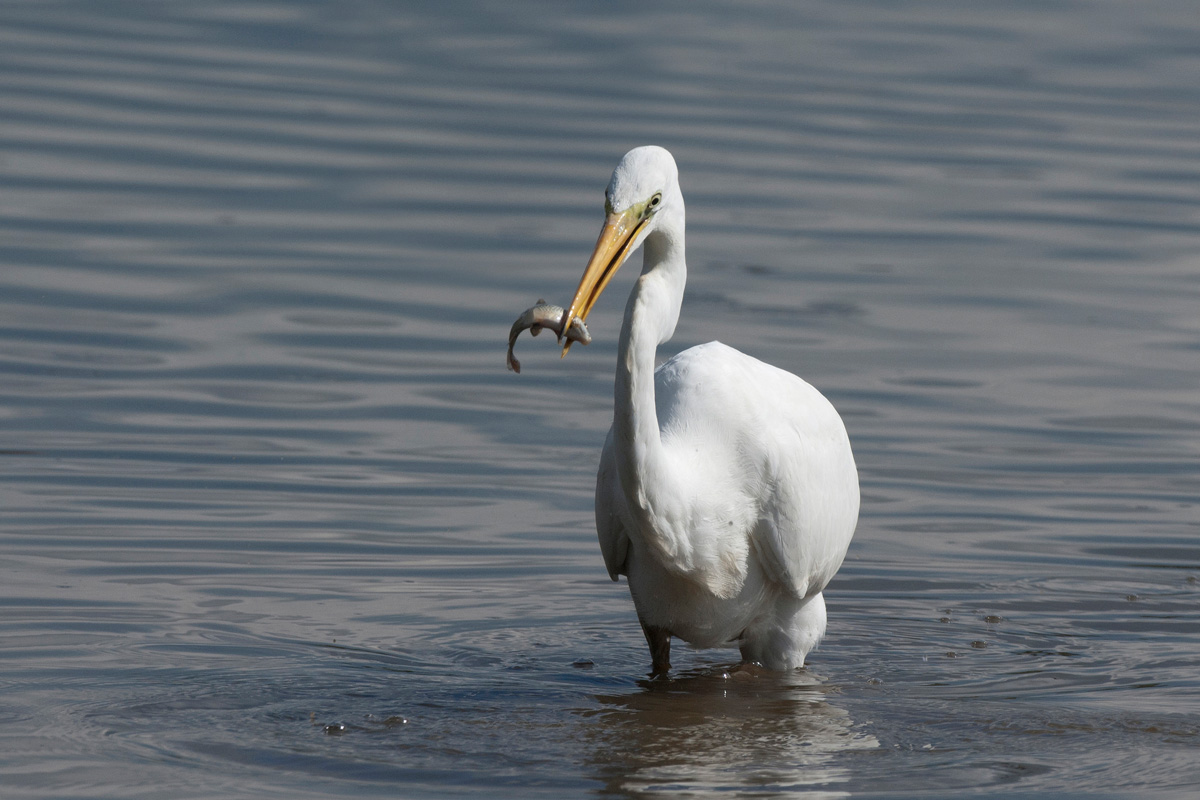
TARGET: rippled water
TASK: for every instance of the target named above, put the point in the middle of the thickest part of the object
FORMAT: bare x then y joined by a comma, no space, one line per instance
275,521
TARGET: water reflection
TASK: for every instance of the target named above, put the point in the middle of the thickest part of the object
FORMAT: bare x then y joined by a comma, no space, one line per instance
713,731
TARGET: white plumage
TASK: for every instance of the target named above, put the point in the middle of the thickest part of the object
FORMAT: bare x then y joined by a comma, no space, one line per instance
727,491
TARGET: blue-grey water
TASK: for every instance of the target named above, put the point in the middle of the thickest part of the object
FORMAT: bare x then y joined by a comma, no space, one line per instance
276,522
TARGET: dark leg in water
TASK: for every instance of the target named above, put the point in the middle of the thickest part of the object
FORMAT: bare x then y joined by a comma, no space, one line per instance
659,640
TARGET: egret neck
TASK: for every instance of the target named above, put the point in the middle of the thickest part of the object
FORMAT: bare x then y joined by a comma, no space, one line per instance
650,317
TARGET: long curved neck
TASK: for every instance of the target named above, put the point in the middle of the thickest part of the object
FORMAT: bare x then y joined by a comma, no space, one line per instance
650,317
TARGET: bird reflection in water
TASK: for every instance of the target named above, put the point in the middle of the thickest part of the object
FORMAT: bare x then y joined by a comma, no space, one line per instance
716,730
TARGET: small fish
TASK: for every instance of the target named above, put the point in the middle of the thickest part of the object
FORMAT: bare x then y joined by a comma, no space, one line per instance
549,317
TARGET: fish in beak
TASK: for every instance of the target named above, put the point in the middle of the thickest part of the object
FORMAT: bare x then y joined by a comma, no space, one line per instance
617,240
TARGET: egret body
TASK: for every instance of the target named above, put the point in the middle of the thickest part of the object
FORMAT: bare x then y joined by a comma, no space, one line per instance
727,492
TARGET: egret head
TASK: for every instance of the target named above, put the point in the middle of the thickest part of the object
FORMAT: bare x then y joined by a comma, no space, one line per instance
644,174
643,192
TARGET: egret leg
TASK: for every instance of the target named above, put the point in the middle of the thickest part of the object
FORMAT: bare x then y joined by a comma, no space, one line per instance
659,640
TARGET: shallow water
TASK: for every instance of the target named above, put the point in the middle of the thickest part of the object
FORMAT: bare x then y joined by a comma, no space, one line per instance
277,522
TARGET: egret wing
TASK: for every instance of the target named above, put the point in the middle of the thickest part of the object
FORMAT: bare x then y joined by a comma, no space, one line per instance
614,541
809,494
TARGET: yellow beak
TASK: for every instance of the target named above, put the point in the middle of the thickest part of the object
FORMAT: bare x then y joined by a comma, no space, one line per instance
616,240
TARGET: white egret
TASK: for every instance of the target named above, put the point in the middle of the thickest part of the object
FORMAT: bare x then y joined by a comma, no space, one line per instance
727,491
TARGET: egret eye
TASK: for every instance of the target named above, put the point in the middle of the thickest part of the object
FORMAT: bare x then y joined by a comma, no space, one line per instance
652,206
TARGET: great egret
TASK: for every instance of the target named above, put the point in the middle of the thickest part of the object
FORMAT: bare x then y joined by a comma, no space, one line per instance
727,491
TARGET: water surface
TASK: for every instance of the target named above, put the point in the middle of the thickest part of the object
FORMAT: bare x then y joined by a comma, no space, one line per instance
275,521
